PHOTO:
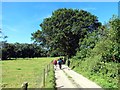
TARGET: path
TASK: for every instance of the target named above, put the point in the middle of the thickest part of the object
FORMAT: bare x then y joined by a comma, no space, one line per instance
62,80
75,80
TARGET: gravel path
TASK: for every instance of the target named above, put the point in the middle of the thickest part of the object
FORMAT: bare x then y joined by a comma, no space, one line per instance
67,78
62,80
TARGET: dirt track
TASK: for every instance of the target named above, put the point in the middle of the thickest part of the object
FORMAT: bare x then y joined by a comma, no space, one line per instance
67,78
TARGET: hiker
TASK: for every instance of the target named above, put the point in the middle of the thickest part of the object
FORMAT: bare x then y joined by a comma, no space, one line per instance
55,62
60,63
68,63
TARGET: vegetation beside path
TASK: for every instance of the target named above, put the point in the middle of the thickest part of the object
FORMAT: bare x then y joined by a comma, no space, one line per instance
50,80
104,74
98,56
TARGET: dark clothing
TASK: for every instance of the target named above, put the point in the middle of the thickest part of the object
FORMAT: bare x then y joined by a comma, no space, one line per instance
60,66
68,63
60,63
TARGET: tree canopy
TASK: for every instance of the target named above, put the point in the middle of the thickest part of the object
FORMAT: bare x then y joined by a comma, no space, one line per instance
62,31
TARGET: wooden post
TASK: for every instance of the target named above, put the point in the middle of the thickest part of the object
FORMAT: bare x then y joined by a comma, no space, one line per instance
24,86
47,70
49,66
44,78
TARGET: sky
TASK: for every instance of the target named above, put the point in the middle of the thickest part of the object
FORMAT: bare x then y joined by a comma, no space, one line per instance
20,19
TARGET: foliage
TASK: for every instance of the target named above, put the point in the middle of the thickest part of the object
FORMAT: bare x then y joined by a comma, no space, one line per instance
7,51
18,50
87,44
61,32
104,74
2,41
98,56
108,45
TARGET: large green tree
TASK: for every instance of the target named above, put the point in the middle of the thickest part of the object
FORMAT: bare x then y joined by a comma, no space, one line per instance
64,29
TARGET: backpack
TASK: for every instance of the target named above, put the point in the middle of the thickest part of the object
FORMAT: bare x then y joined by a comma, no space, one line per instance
60,62
55,62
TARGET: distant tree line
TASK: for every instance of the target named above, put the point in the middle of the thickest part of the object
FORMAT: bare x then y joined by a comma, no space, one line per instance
17,50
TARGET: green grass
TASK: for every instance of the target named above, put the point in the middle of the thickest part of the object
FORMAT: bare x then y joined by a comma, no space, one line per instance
15,72
104,74
50,79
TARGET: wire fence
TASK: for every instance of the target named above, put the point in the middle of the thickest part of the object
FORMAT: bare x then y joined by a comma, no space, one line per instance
41,80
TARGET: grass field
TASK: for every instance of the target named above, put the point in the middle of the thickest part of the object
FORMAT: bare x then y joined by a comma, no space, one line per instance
15,72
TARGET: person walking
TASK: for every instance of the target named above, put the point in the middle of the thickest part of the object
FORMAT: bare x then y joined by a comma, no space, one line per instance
55,62
68,63
60,63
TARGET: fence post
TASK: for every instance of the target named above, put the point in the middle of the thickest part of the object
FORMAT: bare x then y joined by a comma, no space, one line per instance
47,70
24,86
44,78
49,66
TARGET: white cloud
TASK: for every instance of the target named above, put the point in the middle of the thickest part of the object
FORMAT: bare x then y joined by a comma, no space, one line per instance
89,9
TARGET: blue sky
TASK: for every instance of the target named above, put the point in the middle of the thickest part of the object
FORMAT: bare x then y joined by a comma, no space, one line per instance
20,19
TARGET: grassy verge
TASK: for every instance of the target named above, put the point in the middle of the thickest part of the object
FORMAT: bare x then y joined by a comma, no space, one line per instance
50,80
104,74
15,72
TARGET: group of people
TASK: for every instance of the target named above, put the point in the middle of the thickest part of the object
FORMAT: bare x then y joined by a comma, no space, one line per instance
61,61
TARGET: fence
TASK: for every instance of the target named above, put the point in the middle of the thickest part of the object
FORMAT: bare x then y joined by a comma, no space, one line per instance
42,82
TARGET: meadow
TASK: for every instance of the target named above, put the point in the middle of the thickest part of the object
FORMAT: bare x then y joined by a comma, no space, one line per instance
15,72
